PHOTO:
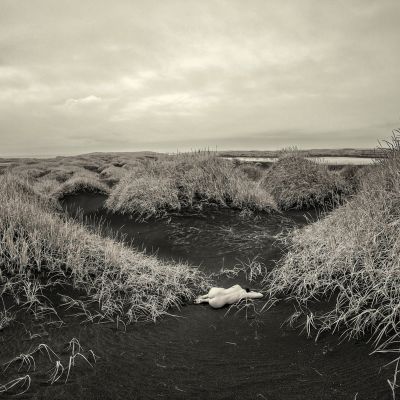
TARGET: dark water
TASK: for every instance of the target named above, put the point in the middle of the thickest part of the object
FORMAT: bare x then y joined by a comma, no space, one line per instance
203,353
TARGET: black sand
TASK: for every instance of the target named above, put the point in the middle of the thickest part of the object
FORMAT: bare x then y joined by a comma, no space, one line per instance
204,353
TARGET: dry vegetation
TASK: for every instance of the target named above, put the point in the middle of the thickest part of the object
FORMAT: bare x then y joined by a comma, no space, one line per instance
187,181
297,182
150,184
56,367
78,184
42,250
61,176
351,255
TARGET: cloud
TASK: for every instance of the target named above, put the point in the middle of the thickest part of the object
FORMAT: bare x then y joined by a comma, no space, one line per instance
91,99
82,103
194,72
176,104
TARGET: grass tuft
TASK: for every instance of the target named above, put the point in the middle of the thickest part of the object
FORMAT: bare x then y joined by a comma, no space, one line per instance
187,181
300,183
351,255
78,184
41,249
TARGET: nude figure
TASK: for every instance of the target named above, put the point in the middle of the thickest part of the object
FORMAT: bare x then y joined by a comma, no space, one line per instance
219,297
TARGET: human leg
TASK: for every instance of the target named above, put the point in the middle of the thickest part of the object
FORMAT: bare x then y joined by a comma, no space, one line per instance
253,295
199,300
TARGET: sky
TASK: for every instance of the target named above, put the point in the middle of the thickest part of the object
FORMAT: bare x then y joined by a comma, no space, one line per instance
78,76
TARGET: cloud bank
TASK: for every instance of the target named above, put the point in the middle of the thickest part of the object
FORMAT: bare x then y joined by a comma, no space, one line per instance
98,76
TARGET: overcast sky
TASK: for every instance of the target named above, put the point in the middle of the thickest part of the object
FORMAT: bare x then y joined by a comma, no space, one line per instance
80,76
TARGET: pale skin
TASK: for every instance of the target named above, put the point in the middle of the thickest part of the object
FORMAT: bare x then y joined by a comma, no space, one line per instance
219,297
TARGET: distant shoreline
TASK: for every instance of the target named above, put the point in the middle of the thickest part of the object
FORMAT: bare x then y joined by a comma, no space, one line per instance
345,152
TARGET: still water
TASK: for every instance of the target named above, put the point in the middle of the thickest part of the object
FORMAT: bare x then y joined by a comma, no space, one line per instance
322,160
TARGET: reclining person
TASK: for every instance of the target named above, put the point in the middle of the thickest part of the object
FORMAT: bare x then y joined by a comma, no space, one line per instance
219,297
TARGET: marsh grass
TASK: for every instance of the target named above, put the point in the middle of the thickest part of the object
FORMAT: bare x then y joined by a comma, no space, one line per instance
6,316
23,383
187,181
28,362
67,175
253,172
300,183
112,174
145,184
42,250
252,269
79,184
350,256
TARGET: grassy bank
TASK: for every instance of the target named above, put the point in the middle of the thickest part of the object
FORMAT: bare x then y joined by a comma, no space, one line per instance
62,176
40,250
78,184
187,181
353,255
146,184
297,182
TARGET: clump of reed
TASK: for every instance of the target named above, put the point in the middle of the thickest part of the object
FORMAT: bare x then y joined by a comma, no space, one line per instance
351,256
45,186
253,172
41,249
300,183
354,175
30,171
187,181
61,174
112,174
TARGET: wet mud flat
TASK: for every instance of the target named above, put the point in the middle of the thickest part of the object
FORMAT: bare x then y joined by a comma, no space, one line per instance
199,352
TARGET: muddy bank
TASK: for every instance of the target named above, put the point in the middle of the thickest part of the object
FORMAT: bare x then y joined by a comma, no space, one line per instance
203,353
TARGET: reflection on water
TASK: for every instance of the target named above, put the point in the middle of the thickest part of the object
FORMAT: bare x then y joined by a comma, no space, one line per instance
204,353
322,160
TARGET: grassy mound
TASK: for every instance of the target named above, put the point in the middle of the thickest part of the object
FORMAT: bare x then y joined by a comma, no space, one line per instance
187,181
112,174
80,184
41,249
353,254
297,182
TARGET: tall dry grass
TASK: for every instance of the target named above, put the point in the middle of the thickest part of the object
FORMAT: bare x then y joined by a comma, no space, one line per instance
352,256
61,176
80,183
187,181
41,249
297,182
112,174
